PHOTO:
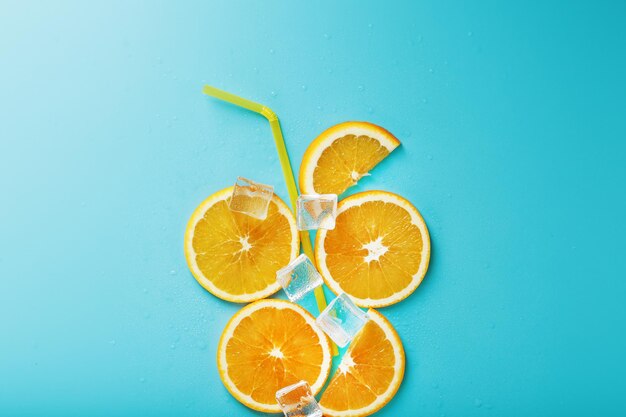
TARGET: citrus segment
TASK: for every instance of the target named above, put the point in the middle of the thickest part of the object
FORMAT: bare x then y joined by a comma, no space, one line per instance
343,154
235,256
369,374
268,345
379,250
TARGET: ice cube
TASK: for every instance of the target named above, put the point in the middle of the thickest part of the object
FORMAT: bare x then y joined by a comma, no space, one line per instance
297,400
251,198
299,277
316,211
341,320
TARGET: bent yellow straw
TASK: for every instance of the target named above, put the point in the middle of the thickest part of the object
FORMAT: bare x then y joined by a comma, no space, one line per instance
283,157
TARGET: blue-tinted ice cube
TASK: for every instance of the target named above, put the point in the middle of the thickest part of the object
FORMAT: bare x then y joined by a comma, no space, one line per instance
316,211
341,320
299,277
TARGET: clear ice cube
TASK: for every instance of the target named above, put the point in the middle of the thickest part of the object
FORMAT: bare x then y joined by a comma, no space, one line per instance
251,198
316,211
299,277
341,320
297,400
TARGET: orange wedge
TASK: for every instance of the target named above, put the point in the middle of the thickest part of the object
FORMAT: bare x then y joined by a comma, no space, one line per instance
268,345
369,374
342,155
379,250
235,256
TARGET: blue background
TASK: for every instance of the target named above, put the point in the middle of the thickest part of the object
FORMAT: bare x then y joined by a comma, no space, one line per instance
512,122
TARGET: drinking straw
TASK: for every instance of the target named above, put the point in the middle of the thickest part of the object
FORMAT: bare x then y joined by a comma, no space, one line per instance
283,157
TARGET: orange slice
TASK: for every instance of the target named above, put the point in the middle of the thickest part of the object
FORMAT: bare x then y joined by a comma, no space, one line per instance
379,250
268,345
342,155
235,256
369,374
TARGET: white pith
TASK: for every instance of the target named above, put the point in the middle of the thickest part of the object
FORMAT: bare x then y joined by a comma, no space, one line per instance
276,353
375,249
245,245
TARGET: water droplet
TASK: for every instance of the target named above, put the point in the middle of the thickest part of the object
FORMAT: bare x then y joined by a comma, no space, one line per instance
112,342
370,110
419,38
273,93
304,87
145,291
430,157
430,70
319,108
369,25
478,403
172,346
271,51
469,33
255,69
360,88
424,100
327,36
173,272
142,380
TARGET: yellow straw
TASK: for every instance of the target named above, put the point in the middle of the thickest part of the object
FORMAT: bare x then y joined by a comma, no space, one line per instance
283,157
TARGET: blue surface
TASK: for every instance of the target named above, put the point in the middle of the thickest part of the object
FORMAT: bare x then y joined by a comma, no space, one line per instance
512,122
